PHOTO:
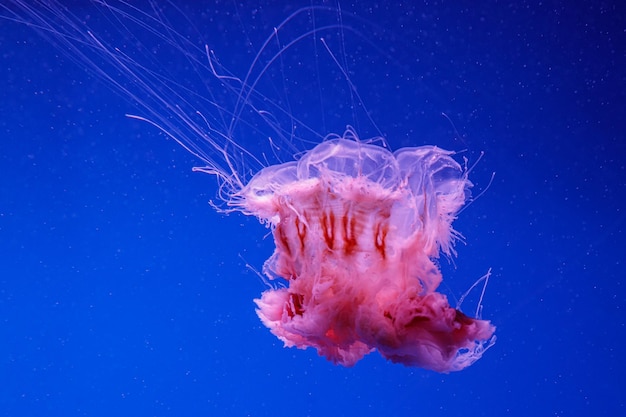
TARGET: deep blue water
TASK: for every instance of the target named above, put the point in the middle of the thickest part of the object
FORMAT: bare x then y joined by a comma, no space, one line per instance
122,292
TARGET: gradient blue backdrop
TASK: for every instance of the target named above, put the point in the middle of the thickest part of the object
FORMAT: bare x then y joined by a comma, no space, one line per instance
123,293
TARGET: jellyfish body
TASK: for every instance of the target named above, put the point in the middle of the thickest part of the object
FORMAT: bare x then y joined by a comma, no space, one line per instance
356,229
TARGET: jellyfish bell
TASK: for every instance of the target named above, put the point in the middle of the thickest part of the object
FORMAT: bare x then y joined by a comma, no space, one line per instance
357,228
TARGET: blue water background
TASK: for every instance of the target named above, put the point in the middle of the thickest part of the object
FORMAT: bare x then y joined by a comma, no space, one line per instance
122,292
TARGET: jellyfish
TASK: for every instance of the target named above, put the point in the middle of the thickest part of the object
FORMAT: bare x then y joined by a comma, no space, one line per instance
357,228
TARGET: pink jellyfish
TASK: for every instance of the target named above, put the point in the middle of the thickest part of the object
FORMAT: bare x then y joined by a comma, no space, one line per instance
356,229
